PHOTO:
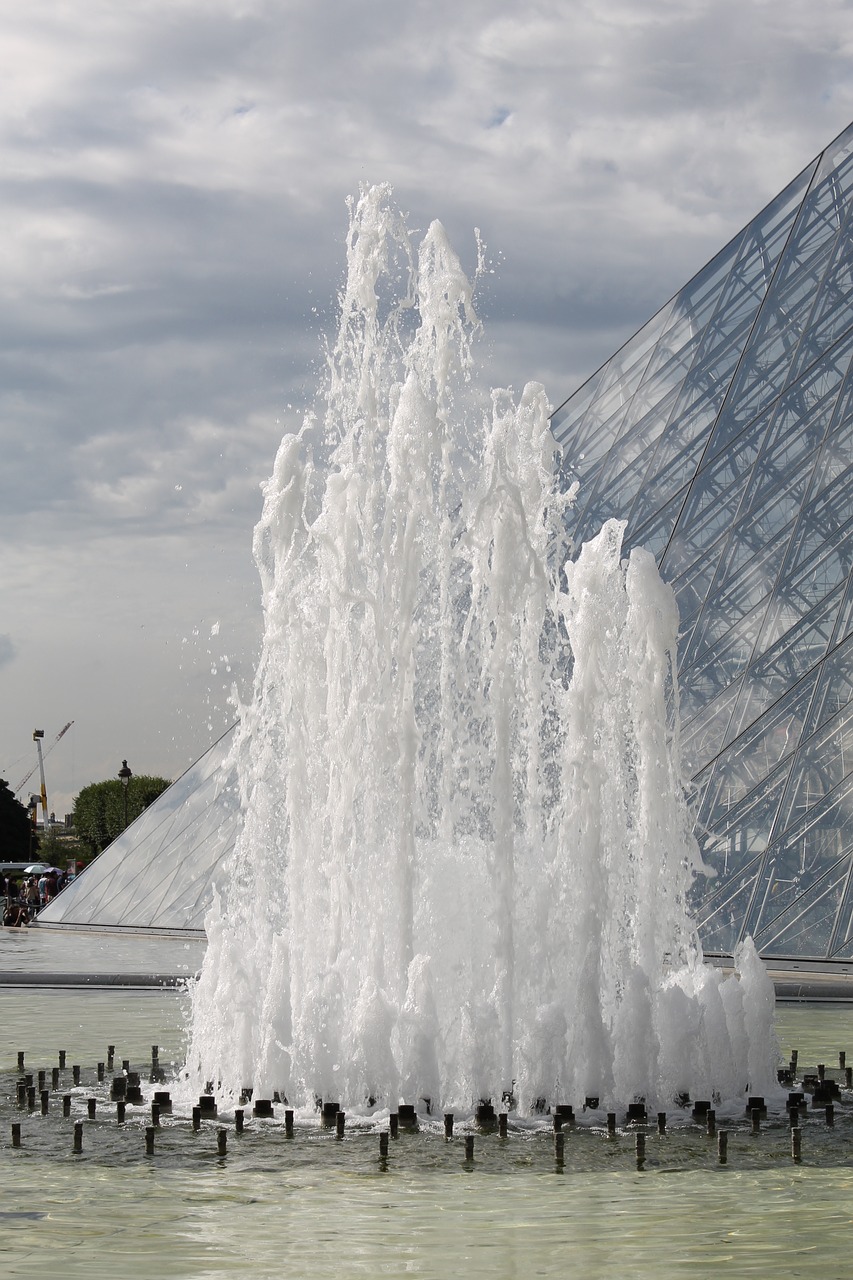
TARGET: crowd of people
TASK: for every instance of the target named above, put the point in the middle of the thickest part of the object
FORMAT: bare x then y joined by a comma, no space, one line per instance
24,901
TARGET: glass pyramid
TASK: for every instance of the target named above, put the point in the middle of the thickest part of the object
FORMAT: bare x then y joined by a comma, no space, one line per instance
723,433
157,875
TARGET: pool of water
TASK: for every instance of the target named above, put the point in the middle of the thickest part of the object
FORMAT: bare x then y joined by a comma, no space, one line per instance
223,1220
40,950
315,1206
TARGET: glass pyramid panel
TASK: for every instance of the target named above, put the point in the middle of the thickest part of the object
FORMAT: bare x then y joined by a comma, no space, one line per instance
733,464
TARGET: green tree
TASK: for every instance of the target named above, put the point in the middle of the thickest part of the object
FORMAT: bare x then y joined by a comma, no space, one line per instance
15,827
99,808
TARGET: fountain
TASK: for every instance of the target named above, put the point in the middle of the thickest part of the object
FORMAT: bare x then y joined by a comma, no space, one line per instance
465,855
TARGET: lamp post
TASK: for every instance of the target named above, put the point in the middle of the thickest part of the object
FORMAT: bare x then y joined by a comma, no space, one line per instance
33,808
125,776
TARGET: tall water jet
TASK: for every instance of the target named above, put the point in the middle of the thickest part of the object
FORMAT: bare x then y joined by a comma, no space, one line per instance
465,851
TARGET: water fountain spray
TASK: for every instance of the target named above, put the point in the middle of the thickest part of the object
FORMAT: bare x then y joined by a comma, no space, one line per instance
465,853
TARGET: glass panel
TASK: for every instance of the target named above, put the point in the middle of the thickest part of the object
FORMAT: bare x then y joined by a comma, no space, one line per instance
742,831
691,588
622,473
806,927
842,938
796,864
831,316
844,625
720,922
661,485
726,639
783,317
604,399
655,533
757,752
722,805
825,759
713,501
754,555
795,596
702,738
783,665
835,459
836,155
566,419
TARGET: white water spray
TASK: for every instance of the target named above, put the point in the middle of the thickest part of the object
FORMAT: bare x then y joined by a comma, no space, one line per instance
461,872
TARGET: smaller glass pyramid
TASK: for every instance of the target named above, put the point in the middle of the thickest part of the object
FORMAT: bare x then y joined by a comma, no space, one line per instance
158,873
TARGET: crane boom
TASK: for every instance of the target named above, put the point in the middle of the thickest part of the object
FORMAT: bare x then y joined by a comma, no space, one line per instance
61,734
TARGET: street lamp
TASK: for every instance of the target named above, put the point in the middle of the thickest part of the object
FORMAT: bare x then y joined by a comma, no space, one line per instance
125,776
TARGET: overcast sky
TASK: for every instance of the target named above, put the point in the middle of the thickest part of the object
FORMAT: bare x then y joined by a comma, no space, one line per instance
173,177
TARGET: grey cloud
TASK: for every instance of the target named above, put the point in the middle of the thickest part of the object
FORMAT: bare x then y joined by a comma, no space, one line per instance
173,186
7,650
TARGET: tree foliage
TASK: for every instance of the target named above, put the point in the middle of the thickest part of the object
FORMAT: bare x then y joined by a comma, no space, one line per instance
99,808
14,827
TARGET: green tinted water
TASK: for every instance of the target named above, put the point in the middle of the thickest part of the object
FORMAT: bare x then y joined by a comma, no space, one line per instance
316,1207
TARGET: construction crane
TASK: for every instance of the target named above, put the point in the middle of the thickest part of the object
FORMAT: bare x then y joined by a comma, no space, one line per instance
38,735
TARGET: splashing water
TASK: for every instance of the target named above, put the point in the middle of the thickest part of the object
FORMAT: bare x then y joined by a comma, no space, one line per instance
462,870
